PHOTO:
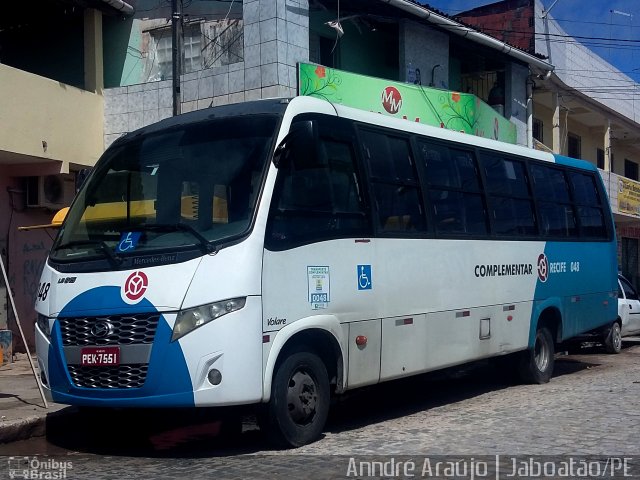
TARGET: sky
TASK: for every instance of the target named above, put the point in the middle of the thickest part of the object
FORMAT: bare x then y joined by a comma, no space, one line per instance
611,28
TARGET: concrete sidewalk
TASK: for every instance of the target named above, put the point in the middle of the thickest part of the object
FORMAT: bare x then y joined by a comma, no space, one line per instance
22,412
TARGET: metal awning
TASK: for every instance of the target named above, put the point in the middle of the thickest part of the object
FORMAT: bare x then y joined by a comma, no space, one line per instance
473,35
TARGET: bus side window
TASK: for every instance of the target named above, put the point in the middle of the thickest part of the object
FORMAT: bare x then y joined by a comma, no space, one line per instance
307,190
510,202
319,202
394,182
557,218
455,199
589,205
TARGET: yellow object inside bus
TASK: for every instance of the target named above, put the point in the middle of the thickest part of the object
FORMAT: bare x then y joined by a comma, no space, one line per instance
146,209
139,209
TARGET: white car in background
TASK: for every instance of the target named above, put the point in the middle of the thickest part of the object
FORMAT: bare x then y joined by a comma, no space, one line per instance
628,316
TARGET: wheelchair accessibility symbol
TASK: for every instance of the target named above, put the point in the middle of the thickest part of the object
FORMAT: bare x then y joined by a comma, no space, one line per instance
128,241
364,277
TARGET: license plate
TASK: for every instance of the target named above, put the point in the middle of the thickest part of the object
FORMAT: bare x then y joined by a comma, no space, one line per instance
100,356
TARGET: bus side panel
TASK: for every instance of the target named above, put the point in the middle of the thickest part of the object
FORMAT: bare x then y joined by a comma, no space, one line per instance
420,343
364,360
429,282
582,275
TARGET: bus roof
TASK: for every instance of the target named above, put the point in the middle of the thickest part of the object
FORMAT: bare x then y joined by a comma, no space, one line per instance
274,106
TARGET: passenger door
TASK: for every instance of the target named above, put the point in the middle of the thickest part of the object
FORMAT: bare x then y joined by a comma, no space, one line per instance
318,233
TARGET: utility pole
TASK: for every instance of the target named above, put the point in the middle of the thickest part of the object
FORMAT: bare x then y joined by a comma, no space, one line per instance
176,52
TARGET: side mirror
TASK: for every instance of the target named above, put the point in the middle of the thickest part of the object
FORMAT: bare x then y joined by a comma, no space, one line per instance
298,148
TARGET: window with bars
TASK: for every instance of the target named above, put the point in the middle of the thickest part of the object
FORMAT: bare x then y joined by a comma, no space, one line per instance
574,147
600,158
192,50
630,169
192,47
538,130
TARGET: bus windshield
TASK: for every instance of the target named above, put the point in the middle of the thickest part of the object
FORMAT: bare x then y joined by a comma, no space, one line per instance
189,187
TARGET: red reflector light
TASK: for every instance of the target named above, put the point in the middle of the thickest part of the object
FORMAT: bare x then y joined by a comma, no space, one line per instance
266,339
408,321
361,340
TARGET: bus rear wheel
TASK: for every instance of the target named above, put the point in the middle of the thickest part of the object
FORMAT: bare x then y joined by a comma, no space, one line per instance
613,339
536,364
299,403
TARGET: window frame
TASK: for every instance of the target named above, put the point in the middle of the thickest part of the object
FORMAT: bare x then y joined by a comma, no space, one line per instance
371,182
572,137
537,126
631,169
340,131
429,188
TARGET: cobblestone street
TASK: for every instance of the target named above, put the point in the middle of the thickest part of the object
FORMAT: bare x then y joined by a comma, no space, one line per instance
590,407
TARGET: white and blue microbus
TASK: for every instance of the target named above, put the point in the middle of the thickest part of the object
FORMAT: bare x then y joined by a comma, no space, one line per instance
279,252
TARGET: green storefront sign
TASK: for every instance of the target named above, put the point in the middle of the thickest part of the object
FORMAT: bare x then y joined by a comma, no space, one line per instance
441,108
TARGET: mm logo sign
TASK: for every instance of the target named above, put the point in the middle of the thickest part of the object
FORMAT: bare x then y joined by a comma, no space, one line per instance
391,100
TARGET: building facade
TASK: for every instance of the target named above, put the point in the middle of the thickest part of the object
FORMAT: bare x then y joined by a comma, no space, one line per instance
51,126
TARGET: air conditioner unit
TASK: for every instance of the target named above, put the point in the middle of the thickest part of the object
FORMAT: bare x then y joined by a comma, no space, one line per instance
50,191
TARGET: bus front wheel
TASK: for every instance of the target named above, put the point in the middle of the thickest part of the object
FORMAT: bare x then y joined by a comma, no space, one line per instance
299,403
536,364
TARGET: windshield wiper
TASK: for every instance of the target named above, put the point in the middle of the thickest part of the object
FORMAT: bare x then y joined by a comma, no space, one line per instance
206,245
110,254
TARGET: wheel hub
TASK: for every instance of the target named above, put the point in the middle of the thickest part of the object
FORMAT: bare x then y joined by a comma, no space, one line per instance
302,397
541,354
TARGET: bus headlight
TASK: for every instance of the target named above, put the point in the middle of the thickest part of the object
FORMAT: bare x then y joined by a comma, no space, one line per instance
193,318
43,325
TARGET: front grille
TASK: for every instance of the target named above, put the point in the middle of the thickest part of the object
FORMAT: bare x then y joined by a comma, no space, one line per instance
120,329
119,376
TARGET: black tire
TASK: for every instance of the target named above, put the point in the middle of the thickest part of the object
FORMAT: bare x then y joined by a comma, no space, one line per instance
299,405
536,364
613,339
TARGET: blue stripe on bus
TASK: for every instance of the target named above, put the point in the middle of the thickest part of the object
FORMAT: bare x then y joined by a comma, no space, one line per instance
168,382
574,162
579,296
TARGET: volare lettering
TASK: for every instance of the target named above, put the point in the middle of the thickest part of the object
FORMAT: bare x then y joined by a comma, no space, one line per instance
276,321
